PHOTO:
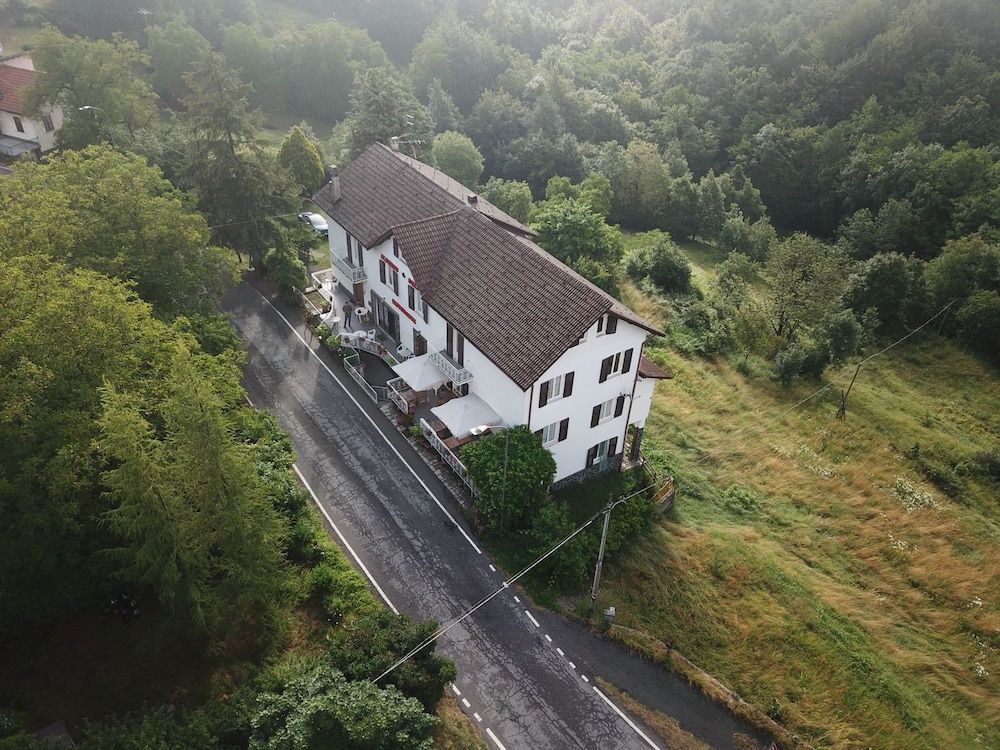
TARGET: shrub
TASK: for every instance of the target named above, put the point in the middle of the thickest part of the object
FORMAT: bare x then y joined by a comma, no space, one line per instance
509,498
669,269
788,363
286,271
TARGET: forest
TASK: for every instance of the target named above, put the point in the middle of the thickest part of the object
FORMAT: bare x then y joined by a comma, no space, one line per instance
790,187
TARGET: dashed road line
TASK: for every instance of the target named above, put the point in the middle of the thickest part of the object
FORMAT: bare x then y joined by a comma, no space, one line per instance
454,687
476,716
627,720
373,424
493,568
572,665
584,678
496,739
517,598
343,540
465,702
560,651
533,620
548,638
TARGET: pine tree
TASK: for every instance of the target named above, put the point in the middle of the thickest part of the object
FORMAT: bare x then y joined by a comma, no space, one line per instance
300,157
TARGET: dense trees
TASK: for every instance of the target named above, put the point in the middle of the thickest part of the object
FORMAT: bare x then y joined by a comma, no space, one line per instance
457,156
99,75
239,185
119,217
381,109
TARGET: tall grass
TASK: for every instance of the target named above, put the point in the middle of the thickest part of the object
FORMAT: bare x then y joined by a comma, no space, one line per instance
842,575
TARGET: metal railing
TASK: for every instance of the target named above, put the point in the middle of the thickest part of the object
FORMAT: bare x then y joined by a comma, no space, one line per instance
351,272
392,390
445,452
457,374
352,363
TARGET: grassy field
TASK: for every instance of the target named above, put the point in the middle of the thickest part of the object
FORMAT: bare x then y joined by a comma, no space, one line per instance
810,563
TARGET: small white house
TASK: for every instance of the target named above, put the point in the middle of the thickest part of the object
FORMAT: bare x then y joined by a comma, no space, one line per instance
19,133
492,328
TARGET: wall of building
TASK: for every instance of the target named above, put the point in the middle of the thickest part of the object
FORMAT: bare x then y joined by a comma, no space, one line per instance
584,360
34,130
502,394
489,382
642,401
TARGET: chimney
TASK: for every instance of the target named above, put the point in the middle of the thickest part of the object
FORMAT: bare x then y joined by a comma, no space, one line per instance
333,179
394,143
474,200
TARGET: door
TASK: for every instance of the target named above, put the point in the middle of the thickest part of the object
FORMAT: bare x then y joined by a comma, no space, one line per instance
419,344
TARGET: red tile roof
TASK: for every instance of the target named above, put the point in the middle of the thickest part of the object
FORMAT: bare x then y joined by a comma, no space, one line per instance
12,80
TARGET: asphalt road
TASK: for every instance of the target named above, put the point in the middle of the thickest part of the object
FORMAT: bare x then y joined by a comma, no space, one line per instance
526,676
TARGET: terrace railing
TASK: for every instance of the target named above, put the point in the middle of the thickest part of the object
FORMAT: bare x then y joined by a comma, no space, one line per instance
393,388
449,458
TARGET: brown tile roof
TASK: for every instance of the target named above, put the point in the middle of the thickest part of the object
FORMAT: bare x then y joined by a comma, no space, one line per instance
383,188
649,369
514,302
12,80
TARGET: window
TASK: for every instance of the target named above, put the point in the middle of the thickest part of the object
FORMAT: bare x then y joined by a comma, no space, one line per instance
381,270
350,257
607,324
561,386
616,364
425,309
18,124
394,276
602,451
411,296
607,410
554,433
395,247
47,122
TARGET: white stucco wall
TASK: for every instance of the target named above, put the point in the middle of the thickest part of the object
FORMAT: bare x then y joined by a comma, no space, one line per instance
34,130
642,401
503,395
584,360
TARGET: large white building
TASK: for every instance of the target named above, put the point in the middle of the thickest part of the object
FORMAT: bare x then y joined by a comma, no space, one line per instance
510,333
20,133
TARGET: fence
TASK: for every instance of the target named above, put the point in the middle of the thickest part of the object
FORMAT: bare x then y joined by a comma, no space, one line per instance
445,452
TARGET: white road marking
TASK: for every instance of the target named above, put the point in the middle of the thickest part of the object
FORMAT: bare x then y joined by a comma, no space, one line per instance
373,423
465,702
560,652
627,719
585,678
495,738
493,569
517,598
476,716
572,665
548,638
533,620
455,688
343,540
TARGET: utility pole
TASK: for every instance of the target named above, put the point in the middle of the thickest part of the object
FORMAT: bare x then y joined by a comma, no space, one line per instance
600,556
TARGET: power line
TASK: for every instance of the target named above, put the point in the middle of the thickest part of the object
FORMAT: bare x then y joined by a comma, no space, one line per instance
482,602
251,221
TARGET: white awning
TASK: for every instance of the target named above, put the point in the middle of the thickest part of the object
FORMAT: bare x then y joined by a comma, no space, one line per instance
419,373
462,415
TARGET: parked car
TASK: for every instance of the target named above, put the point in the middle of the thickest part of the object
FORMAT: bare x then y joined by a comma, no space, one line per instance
317,222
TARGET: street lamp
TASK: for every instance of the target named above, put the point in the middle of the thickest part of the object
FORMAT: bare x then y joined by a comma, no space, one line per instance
91,108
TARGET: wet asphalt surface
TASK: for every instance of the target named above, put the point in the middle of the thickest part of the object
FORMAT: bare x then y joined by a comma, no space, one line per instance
524,685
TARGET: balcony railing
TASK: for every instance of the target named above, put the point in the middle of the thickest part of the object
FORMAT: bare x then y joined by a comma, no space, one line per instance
394,390
457,374
351,272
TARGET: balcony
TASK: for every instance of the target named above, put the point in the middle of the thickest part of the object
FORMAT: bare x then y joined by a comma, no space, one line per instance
351,273
457,374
